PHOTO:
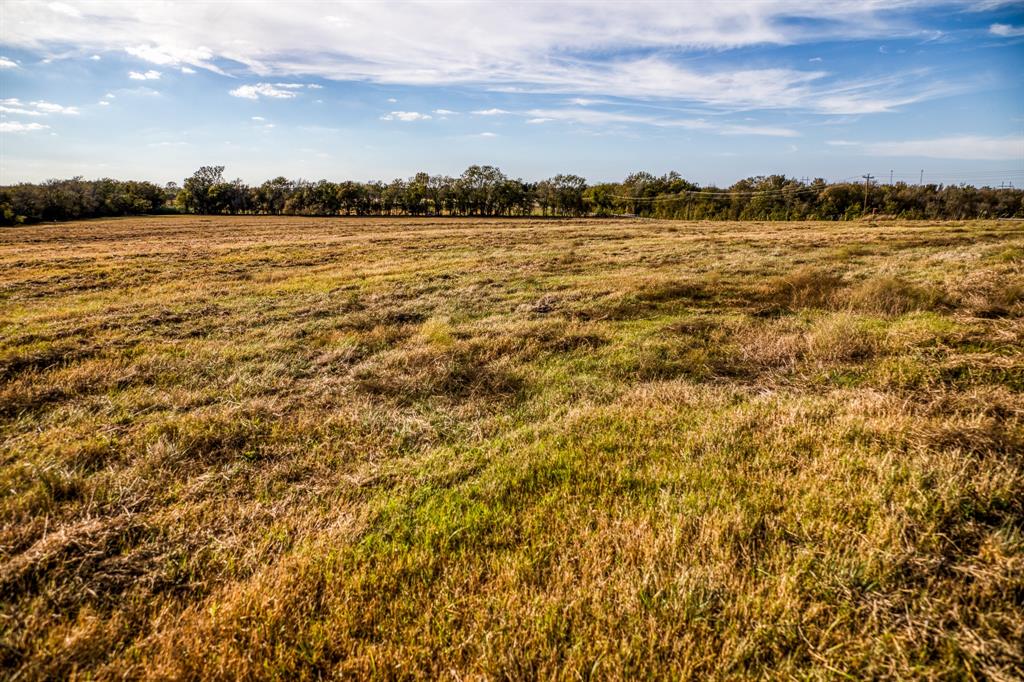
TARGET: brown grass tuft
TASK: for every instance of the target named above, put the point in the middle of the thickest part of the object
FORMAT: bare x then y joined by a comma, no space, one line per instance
893,296
805,287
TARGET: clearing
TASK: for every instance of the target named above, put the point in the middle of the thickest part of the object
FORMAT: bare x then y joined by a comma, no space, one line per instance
297,447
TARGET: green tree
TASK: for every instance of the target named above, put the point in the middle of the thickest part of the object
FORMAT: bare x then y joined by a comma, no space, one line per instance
195,196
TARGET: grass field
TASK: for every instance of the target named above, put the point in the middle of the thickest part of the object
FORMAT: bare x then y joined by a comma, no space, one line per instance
287,447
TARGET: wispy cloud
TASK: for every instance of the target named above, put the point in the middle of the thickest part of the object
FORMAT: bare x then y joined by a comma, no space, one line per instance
1006,30
535,47
6,63
977,147
489,112
598,117
405,116
881,94
445,112
173,54
150,75
64,9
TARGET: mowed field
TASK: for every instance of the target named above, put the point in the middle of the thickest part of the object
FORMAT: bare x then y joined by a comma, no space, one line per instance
302,448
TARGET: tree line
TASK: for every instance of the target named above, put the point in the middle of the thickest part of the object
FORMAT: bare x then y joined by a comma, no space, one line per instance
486,191
479,191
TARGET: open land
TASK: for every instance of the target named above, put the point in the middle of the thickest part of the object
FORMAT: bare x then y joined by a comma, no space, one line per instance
303,448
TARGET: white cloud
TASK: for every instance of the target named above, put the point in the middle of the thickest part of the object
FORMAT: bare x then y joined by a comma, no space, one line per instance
95,58
489,112
880,94
65,9
842,143
109,95
980,147
258,118
488,134
19,127
392,100
272,90
405,116
597,117
187,70
51,108
150,75
539,47
104,103
176,54
6,63
1006,30
314,86
18,110
13,105
445,112
769,131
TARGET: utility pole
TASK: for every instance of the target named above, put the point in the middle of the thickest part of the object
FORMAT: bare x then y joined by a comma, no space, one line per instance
921,181
867,183
890,177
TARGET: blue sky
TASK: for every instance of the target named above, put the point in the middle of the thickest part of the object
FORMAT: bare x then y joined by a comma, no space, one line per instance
715,91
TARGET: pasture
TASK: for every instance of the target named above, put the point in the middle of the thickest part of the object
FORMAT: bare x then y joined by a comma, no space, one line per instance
484,448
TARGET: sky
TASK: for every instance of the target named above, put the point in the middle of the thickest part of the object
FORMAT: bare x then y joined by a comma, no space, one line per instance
716,91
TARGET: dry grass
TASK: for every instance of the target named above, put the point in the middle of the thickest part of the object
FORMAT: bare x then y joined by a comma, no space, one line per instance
298,448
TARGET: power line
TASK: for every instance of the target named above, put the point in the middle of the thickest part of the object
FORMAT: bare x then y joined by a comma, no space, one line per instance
867,182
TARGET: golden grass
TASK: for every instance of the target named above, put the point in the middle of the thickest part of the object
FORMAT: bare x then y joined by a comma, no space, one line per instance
303,448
